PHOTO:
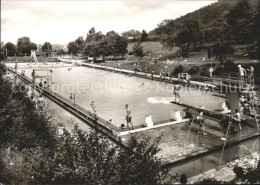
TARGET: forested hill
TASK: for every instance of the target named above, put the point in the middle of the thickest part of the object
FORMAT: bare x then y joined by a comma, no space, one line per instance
207,16
223,24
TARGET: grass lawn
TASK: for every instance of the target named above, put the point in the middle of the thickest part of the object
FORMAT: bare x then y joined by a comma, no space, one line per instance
194,60
156,48
28,59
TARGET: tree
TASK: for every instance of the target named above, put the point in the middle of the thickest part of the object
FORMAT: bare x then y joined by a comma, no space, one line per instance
222,49
166,27
144,36
110,44
80,42
11,49
33,46
47,47
92,49
2,56
193,28
60,52
254,49
93,36
183,40
24,46
138,49
181,35
59,156
240,20
74,48
132,33
119,45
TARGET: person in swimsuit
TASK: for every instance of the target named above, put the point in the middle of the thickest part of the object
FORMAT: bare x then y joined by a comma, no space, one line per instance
41,103
33,74
237,118
128,117
201,121
176,92
242,74
34,102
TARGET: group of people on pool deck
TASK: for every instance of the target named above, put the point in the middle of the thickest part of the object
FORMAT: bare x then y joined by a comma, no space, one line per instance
39,103
243,76
236,118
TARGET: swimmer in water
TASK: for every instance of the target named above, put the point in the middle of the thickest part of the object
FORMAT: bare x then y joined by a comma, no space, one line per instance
142,84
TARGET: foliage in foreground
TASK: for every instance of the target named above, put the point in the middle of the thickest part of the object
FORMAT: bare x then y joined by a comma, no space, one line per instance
34,149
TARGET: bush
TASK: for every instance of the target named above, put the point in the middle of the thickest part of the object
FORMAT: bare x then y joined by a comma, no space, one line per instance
172,55
230,66
208,181
204,72
239,172
130,53
41,154
251,175
2,69
218,70
193,71
178,69
138,50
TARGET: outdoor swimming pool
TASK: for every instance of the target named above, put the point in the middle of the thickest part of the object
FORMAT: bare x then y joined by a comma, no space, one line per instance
111,91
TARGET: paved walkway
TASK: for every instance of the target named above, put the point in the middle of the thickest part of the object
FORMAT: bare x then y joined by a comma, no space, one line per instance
144,75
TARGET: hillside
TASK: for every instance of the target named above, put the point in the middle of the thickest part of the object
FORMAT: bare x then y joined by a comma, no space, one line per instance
155,48
210,15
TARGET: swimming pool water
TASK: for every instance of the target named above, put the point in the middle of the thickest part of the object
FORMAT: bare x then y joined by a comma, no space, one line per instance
111,91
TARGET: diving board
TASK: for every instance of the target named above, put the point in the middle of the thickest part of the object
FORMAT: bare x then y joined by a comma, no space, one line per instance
155,126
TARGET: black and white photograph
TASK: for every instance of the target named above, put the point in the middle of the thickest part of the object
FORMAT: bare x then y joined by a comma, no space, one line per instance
129,92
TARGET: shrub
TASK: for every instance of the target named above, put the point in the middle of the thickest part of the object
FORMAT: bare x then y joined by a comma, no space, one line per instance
208,181
238,171
178,69
230,66
251,175
40,154
172,55
204,72
130,53
218,70
138,50
193,71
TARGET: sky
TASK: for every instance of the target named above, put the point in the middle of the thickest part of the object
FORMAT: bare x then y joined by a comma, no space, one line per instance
62,21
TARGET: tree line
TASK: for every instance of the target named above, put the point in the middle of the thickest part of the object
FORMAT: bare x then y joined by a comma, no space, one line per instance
23,47
98,44
239,25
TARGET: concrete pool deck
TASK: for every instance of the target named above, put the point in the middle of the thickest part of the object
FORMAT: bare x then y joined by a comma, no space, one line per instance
178,145
212,83
147,76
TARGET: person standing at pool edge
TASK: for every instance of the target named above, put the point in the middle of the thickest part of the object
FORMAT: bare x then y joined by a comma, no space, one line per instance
237,118
128,117
176,92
